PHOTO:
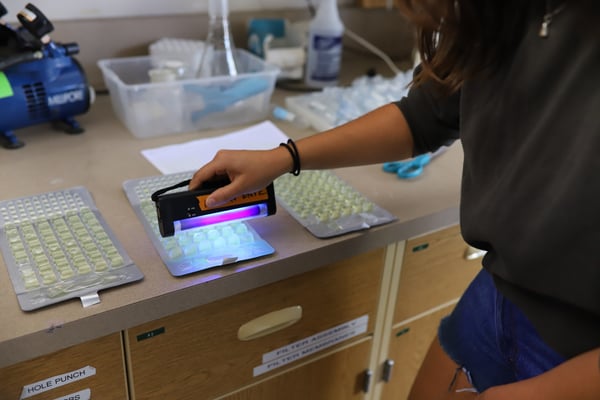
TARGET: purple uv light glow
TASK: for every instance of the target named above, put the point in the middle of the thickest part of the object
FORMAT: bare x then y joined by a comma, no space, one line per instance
238,214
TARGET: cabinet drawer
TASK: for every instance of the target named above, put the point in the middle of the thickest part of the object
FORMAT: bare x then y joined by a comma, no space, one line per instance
198,354
408,346
434,271
41,378
336,376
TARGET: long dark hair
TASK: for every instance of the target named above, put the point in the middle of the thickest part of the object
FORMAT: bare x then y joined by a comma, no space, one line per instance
460,38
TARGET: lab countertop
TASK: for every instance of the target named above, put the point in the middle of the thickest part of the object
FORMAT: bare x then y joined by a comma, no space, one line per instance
107,154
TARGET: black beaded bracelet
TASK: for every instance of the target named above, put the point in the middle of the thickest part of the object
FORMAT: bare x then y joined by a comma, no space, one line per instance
291,147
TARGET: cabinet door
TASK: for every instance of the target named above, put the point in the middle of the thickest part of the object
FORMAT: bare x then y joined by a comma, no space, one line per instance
408,346
337,376
434,272
197,354
96,366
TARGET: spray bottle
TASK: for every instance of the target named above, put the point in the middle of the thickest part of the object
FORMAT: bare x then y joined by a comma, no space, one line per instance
324,47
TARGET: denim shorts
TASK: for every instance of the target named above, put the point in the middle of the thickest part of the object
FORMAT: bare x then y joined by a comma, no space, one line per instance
492,340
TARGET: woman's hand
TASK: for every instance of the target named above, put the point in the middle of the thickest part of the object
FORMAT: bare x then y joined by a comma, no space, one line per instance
248,171
381,135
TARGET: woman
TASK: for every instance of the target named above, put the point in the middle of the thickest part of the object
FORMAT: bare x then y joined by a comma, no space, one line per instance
515,81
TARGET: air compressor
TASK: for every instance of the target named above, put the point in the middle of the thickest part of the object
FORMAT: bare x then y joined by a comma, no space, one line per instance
40,80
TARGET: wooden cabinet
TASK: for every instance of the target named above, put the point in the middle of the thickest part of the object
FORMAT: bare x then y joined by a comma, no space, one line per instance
312,336
434,272
96,366
408,345
197,354
338,375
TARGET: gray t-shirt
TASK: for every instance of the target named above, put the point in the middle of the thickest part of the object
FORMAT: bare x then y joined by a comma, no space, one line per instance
531,175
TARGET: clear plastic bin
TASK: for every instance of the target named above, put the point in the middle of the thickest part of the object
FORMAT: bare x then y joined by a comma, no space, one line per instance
153,109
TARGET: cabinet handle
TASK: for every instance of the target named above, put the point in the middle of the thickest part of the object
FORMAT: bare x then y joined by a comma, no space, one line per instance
367,377
472,253
269,323
388,365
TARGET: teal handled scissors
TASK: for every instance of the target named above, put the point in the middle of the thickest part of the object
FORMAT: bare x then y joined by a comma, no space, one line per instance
413,167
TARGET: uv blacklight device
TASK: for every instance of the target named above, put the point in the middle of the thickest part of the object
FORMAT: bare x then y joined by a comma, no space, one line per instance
181,210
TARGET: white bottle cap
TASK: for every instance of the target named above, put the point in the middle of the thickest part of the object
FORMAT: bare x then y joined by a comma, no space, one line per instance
158,75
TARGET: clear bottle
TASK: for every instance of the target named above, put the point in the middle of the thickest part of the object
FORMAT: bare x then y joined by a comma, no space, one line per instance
219,56
324,47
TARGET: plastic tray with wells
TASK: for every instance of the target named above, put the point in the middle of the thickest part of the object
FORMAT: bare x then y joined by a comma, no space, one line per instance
195,249
57,246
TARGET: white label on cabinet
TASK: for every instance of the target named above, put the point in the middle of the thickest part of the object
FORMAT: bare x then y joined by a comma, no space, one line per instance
85,394
57,381
310,345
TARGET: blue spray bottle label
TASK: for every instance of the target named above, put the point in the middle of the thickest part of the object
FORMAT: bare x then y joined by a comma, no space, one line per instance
327,56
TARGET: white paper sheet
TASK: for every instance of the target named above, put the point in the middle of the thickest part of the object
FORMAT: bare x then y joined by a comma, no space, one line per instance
192,155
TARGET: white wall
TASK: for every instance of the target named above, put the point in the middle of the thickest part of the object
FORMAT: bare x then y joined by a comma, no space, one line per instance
85,9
